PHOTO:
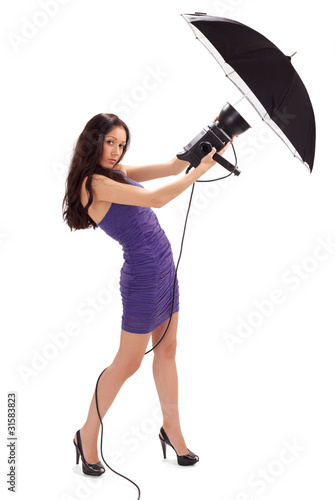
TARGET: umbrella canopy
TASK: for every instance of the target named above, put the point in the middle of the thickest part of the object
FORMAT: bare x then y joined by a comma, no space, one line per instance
265,76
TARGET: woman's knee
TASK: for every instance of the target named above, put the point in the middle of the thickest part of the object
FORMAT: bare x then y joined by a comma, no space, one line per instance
167,350
127,365
132,366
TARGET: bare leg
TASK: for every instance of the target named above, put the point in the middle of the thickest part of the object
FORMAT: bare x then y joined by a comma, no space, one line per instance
166,380
126,362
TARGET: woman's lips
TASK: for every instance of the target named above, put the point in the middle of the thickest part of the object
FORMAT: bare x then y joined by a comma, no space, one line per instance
111,160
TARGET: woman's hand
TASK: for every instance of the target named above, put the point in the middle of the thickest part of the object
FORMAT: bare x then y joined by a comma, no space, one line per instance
208,161
225,147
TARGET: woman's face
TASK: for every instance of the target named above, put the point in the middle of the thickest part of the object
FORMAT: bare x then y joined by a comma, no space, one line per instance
113,146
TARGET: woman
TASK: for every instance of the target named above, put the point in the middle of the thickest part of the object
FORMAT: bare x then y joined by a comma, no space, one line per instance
102,192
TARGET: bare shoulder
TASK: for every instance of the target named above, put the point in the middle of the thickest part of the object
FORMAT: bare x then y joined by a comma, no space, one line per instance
123,168
98,208
96,181
99,181
100,177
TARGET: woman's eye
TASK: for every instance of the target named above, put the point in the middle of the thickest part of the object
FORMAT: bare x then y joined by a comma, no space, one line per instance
122,145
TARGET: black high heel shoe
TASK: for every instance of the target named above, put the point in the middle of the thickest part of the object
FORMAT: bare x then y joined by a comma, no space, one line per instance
91,469
189,459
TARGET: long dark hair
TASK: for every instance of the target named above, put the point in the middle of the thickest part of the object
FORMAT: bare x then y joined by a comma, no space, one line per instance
85,162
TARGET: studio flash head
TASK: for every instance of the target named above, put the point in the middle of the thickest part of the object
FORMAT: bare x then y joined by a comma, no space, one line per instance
227,125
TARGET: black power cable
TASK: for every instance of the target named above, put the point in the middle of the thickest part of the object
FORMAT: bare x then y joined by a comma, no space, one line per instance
174,285
182,241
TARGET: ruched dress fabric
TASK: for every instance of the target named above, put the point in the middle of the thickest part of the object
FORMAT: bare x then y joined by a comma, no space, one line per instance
148,272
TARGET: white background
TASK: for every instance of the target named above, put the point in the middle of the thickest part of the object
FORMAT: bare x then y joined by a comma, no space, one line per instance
243,402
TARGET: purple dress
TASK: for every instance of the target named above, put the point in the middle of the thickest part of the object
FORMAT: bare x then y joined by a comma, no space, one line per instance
148,271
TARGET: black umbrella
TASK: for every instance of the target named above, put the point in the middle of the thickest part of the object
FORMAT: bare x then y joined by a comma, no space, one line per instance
265,76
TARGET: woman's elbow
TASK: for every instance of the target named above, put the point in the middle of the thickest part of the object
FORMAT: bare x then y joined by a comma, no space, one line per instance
157,202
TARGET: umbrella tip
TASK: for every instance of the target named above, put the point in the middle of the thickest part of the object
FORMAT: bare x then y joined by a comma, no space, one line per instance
293,54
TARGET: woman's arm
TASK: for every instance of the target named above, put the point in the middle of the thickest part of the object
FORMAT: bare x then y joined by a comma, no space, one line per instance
156,171
149,172
106,189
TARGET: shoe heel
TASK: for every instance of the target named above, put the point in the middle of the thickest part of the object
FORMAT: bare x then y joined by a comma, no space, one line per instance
77,454
163,446
189,459
91,469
